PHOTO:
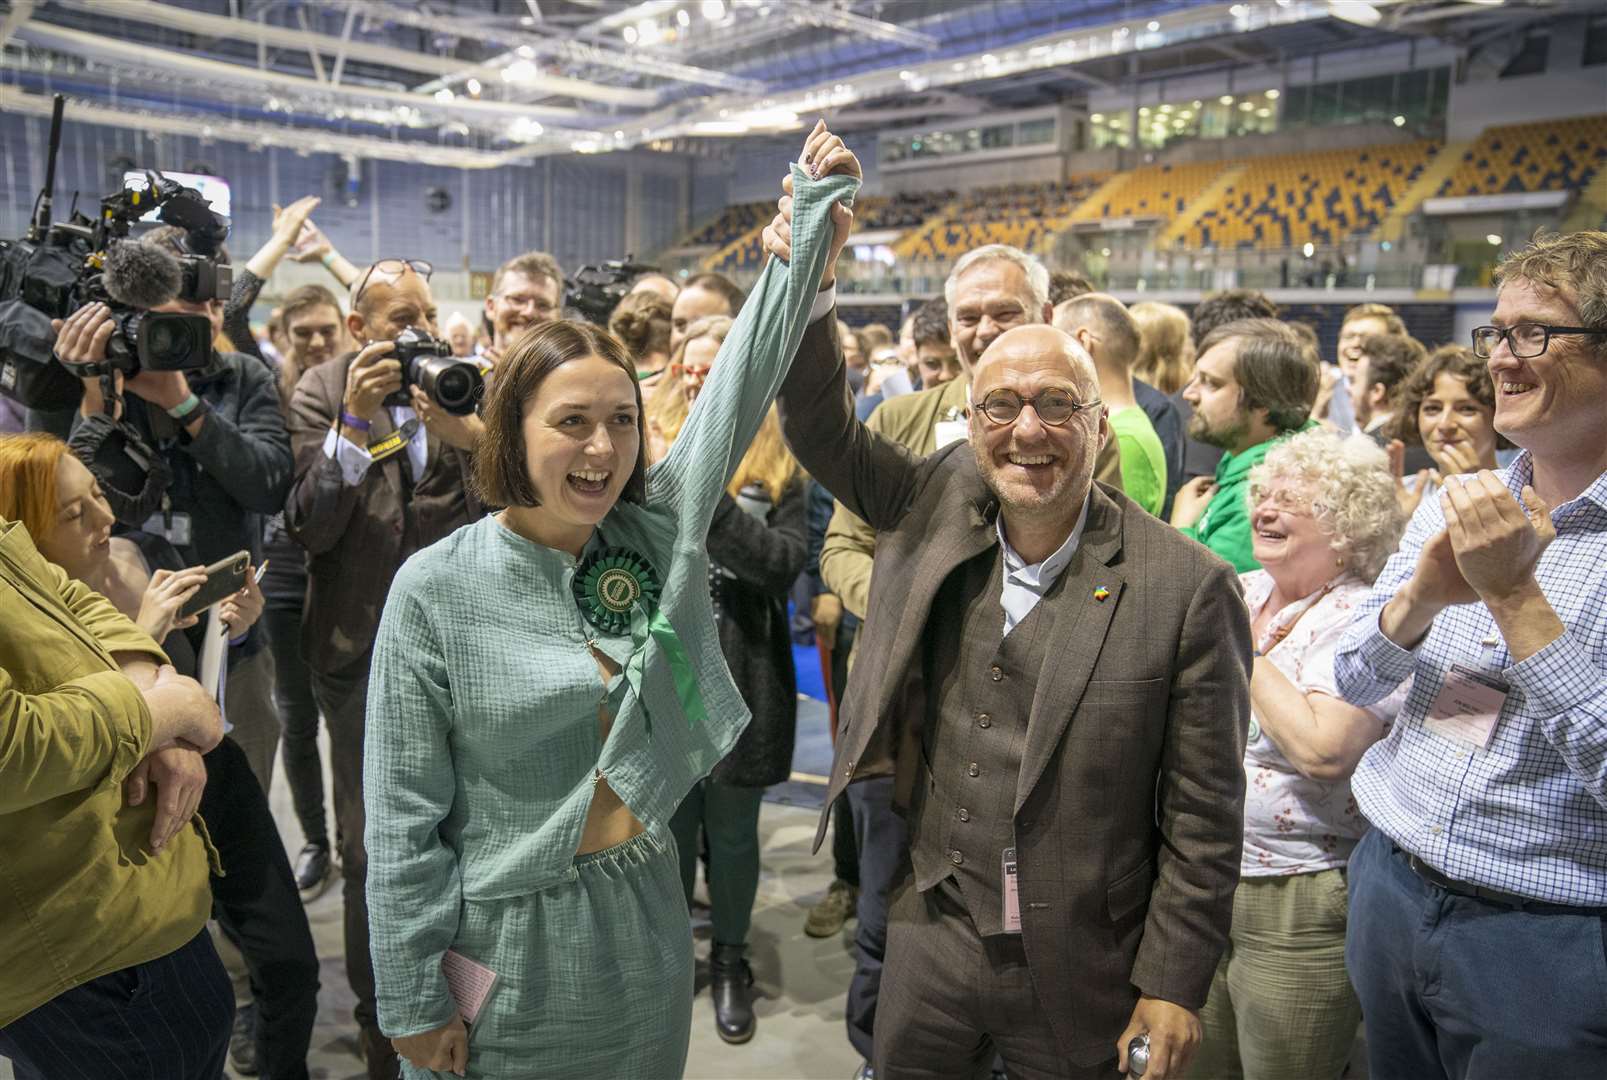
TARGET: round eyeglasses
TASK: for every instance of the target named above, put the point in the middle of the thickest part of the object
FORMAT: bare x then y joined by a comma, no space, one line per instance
1053,406
1526,340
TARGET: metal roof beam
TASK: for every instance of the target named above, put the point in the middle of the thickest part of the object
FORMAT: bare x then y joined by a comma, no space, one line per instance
832,18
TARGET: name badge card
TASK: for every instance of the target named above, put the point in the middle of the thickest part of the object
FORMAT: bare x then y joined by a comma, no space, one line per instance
949,431
1012,894
1467,706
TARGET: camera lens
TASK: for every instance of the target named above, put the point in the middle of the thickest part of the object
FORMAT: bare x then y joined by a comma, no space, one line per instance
455,389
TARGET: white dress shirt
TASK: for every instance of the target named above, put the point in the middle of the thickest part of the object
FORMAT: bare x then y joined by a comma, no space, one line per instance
354,460
1025,585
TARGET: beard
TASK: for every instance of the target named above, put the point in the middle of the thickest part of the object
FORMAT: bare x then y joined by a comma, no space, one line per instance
1223,436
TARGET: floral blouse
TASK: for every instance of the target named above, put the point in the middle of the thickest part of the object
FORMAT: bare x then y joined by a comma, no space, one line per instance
1293,825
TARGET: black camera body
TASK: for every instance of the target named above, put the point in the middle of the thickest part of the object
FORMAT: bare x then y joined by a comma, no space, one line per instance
59,267
596,290
427,363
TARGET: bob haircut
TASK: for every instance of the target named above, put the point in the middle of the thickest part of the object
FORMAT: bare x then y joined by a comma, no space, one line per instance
501,473
28,480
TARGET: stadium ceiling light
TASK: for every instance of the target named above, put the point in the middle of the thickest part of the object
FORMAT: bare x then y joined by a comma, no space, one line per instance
1400,121
519,71
444,95
713,10
1494,239
1226,99
683,18
1153,26
1098,118
1360,12
629,34
1272,95
1166,108
473,87
1308,249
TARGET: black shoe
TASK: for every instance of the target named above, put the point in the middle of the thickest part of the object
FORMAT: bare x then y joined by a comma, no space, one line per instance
731,987
312,871
243,1041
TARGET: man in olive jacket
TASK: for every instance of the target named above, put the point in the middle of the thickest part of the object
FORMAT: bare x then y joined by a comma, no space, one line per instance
1060,693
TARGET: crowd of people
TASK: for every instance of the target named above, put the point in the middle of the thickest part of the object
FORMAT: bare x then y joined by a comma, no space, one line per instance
1195,697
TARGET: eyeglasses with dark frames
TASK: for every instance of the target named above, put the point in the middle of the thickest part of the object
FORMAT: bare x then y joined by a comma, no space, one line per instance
396,267
1526,340
1053,406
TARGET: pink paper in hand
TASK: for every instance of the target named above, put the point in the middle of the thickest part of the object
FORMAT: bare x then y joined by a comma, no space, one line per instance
468,982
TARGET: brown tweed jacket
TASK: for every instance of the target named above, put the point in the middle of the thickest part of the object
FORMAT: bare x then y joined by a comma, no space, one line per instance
355,537
1130,801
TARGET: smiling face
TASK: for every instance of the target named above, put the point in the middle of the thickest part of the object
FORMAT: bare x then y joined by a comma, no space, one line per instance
581,442
990,298
79,540
519,303
314,334
696,363
1449,415
1036,469
1286,537
1350,339
1220,418
1551,404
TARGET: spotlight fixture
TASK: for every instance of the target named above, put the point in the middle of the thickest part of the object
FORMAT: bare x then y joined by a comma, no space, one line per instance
1400,121
713,10
1272,95
1226,99
1493,239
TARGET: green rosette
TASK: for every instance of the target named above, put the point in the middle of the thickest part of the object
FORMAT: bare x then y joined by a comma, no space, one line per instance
618,593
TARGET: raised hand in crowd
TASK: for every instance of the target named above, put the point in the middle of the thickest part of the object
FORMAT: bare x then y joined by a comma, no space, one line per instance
1409,495
1192,499
824,155
311,245
288,225
164,597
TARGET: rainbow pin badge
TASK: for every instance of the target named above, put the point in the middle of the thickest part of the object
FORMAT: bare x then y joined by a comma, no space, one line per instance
1102,594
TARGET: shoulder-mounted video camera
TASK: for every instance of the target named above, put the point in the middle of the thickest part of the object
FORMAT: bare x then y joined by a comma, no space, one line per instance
594,291
59,267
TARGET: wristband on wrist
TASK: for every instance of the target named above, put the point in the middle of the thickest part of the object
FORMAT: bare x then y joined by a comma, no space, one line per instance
355,422
185,407
328,259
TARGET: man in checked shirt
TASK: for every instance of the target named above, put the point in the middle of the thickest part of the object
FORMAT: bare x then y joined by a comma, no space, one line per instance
1478,903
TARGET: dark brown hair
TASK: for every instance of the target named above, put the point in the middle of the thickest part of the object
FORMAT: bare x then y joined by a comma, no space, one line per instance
1274,368
533,265
501,472
1390,359
719,283
1230,306
930,324
1457,361
1067,285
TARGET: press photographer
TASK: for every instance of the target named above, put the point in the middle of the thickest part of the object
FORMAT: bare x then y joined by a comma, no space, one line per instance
381,471
213,430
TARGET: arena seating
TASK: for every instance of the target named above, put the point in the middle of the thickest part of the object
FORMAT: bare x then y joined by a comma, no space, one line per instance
733,222
1324,197
1025,215
1157,191
1557,154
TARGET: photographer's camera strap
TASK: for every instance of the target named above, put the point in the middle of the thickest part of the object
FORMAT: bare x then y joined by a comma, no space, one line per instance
394,443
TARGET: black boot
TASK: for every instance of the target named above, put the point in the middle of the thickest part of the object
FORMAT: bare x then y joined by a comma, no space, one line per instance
731,987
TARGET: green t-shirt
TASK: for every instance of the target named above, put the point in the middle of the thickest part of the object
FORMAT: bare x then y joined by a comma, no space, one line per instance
1143,458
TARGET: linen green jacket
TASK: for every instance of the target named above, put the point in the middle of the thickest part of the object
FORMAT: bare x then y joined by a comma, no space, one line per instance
82,893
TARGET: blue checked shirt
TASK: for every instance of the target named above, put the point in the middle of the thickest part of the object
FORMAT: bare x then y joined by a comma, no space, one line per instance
1528,814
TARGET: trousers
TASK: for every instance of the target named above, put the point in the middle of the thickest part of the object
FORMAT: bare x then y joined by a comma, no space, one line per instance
1456,986
165,1019
729,817
882,839
298,721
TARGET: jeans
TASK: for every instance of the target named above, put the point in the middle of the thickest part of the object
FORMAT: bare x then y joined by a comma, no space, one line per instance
1456,986
883,840
248,707
729,816
256,903
165,1019
298,722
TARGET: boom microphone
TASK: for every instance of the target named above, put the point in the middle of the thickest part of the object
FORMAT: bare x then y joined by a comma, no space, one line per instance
141,275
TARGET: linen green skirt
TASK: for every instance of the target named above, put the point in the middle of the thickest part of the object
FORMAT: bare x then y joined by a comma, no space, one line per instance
594,973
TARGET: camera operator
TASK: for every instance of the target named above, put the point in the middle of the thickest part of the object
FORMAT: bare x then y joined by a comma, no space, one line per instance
220,432
360,512
526,291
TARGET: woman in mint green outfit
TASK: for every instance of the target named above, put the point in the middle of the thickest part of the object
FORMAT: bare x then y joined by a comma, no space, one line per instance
548,686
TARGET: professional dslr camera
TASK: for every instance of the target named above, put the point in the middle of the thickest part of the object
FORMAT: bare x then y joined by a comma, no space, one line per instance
59,267
427,363
596,290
